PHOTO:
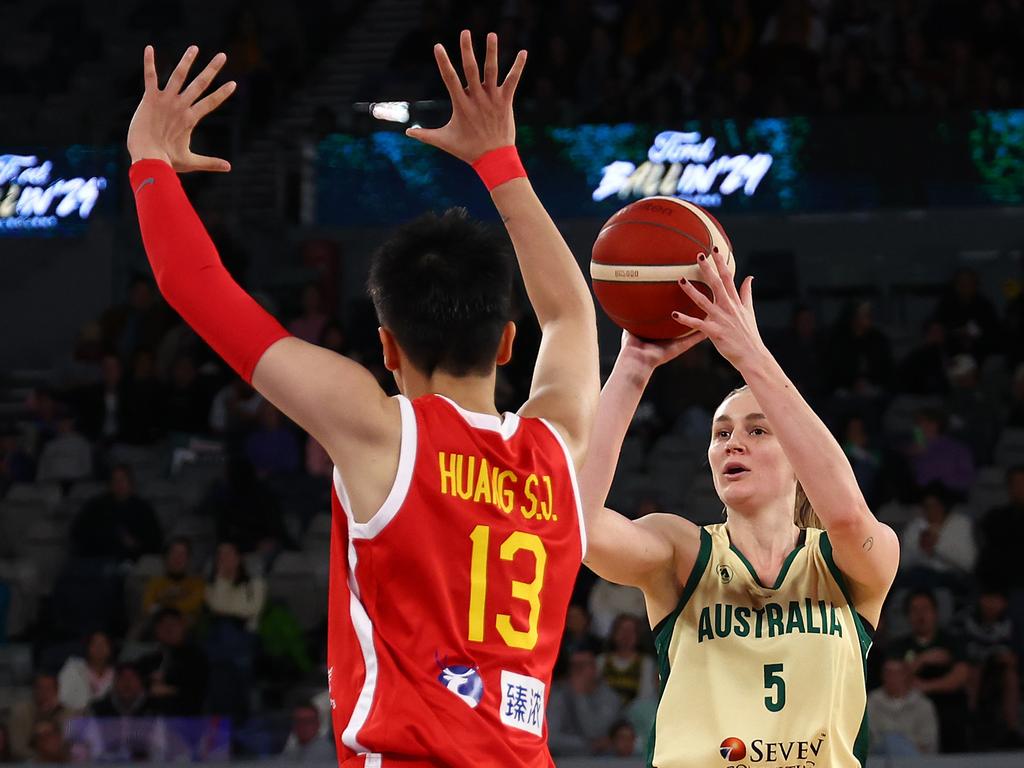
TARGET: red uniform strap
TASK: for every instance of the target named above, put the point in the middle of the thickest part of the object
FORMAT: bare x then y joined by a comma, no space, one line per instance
190,274
498,166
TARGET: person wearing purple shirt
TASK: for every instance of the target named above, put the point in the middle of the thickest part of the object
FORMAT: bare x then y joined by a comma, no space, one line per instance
935,457
272,447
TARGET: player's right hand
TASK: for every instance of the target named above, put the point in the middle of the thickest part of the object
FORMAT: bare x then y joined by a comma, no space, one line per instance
482,111
161,128
651,354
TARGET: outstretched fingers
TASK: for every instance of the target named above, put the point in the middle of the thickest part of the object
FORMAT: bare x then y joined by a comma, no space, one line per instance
202,81
149,69
514,73
698,298
177,78
469,66
723,272
448,73
491,62
205,106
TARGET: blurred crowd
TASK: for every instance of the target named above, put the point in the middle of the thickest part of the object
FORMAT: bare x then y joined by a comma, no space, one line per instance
653,60
181,510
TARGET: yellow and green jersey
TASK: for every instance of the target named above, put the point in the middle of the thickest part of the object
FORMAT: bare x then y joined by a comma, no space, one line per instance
762,677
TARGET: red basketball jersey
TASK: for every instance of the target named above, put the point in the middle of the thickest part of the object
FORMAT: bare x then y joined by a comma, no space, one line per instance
447,608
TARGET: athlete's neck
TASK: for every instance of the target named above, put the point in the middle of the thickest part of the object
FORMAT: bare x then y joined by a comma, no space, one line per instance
473,393
765,537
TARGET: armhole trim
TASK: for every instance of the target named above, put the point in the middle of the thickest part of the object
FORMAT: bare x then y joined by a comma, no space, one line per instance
399,489
571,468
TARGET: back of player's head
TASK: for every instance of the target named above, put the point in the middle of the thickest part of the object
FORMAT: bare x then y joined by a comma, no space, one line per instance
442,285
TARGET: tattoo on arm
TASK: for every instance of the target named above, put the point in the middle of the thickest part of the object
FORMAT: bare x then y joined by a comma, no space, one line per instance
869,542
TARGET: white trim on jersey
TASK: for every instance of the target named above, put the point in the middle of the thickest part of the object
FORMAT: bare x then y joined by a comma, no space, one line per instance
361,621
505,427
403,479
569,465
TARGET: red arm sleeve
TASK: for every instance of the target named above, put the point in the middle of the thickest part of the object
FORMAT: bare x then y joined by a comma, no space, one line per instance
190,274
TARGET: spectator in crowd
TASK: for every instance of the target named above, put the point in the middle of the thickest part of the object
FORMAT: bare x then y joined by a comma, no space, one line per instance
861,356
624,668
305,743
903,720
938,458
800,350
864,458
317,462
995,678
581,710
272,447
938,541
235,408
608,601
141,412
127,696
577,635
310,324
83,681
235,601
938,663
177,588
973,417
116,524
177,673
623,739
970,319
16,463
44,705
247,511
924,371
186,408
101,404
1015,417
139,323
5,745
67,456
1002,530
47,742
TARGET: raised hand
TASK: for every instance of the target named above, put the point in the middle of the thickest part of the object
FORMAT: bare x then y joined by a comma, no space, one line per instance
730,321
161,128
482,111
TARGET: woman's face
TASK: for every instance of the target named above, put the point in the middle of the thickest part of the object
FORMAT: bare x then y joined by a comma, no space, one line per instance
748,465
99,648
227,561
625,638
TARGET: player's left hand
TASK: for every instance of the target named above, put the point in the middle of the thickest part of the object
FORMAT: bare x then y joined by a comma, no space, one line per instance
161,128
482,111
729,320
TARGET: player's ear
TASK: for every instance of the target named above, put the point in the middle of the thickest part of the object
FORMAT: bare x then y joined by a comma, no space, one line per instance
390,348
508,335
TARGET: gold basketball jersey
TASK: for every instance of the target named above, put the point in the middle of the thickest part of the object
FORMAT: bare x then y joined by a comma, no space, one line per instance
762,677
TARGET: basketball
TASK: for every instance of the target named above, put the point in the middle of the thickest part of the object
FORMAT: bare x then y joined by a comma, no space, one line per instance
640,255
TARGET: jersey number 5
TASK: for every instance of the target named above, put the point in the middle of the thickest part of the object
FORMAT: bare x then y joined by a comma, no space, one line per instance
773,679
521,590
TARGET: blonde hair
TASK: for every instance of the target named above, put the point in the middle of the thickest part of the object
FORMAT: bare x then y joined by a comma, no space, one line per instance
803,513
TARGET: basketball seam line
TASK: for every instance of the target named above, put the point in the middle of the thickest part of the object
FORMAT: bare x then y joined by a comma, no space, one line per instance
678,231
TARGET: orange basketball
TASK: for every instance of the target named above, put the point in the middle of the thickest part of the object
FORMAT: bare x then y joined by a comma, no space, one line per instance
639,257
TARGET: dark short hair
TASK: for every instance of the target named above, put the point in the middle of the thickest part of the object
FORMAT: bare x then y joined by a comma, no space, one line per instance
442,285
920,592
184,541
167,613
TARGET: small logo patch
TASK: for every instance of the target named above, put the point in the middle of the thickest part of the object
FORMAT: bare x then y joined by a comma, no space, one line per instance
725,573
145,182
463,680
522,702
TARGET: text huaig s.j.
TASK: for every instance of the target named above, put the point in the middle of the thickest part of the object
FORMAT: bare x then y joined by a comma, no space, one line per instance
683,164
31,199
